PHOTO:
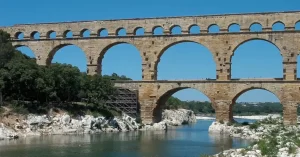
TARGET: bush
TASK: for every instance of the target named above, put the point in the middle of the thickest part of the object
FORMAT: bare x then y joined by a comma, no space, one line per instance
254,125
221,121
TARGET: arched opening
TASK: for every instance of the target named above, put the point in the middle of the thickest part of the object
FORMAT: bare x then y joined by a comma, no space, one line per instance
19,35
234,28
298,66
85,33
194,29
121,32
68,54
35,35
183,97
185,61
256,58
158,30
139,31
122,59
51,35
68,34
103,32
26,51
255,101
278,26
213,29
297,26
256,27
175,30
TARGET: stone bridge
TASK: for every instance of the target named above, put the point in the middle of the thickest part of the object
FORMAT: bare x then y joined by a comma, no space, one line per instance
45,39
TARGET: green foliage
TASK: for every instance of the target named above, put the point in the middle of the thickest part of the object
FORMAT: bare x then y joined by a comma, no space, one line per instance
221,121
254,126
43,87
268,146
245,123
115,76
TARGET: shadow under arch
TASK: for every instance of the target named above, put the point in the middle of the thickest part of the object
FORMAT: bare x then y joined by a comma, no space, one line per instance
59,47
174,44
107,48
157,111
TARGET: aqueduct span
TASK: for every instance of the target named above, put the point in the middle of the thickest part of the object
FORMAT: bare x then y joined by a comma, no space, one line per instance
153,93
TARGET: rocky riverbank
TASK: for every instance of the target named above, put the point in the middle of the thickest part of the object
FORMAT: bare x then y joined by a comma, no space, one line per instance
271,137
14,125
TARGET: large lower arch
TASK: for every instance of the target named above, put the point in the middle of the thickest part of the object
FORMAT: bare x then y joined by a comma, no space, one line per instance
185,53
256,58
26,50
122,58
265,100
68,54
161,102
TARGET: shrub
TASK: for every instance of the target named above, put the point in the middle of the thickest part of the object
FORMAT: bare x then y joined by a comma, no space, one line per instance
221,121
254,125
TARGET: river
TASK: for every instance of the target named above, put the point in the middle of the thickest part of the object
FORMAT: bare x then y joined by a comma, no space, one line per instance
185,141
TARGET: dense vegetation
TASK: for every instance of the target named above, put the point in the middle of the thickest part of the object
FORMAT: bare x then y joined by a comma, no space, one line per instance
38,88
238,109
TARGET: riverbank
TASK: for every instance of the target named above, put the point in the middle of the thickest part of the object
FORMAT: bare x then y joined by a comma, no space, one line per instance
271,137
15,125
254,117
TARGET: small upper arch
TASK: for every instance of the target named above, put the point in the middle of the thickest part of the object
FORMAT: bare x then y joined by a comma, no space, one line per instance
213,28
255,27
278,26
234,27
51,34
35,35
175,29
85,33
121,32
102,32
139,31
158,30
68,34
194,29
19,35
297,25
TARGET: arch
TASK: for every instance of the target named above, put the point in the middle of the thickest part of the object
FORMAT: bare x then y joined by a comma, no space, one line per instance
158,30
247,89
75,60
175,30
214,28
26,50
194,29
139,31
35,35
19,35
278,26
255,27
68,34
242,62
188,46
85,33
297,27
102,32
51,35
161,101
121,32
253,95
234,28
128,60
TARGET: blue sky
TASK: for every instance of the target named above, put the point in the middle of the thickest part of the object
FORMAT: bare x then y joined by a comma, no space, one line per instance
182,61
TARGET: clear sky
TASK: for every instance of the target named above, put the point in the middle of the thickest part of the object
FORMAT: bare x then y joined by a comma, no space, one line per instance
254,59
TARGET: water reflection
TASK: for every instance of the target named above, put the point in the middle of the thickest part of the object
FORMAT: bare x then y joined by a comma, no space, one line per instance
186,141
